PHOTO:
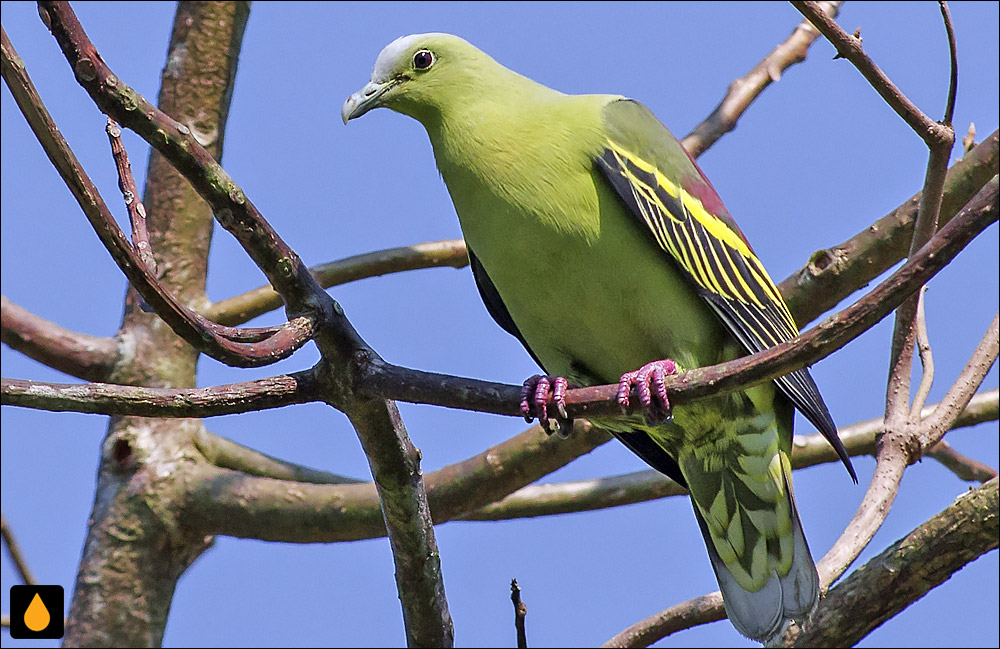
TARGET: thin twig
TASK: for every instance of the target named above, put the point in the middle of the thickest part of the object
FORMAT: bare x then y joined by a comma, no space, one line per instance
849,47
832,274
432,254
949,111
694,612
133,202
16,556
227,454
933,427
90,358
282,343
926,357
113,399
743,91
904,572
964,467
520,611
807,450
831,334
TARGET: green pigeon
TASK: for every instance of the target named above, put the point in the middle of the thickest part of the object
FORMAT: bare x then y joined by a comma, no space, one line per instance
597,241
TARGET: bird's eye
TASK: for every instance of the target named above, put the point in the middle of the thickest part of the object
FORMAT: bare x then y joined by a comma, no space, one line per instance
423,60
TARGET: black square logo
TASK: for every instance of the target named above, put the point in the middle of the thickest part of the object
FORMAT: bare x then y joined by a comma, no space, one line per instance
36,612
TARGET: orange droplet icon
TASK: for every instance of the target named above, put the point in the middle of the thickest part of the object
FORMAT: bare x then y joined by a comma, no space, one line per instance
37,616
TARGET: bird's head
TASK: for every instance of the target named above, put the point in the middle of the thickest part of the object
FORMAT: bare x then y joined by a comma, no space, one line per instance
420,74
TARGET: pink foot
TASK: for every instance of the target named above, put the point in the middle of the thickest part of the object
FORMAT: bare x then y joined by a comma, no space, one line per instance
537,393
649,382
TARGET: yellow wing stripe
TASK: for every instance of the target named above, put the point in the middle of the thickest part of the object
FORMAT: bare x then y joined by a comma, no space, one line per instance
692,235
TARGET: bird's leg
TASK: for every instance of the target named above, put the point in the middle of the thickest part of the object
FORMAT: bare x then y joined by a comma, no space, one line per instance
537,393
650,384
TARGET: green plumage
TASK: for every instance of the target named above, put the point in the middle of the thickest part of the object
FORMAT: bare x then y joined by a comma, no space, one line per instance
598,242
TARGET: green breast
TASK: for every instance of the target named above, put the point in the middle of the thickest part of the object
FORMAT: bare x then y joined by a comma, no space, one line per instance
591,294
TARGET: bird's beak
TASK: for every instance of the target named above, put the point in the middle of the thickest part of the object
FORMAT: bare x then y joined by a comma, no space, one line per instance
365,99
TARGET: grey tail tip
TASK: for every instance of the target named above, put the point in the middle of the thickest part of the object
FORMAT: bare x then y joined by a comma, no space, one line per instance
774,640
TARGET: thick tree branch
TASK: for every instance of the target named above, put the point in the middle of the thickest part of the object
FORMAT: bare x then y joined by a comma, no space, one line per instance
341,346
834,332
87,357
136,547
194,329
807,450
229,502
834,273
905,571
113,399
407,518
227,454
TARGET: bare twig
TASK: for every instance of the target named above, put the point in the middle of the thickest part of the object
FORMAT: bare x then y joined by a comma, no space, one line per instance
692,613
926,357
849,48
834,332
112,399
520,611
87,357
300,327
964,467
133,203
14,550
904,572
807,450
432,254
933,427
183,321
227,454
834,273
743,91
393,459
949,111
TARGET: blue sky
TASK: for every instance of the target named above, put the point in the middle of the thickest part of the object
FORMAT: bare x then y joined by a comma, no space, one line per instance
816,159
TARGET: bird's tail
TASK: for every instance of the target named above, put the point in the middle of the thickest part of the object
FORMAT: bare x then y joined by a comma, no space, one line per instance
742,496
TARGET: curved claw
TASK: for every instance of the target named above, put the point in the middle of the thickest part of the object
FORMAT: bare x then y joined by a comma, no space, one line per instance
537,393
650,384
